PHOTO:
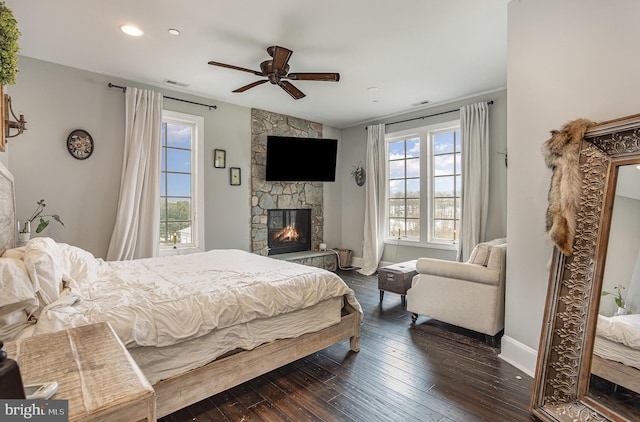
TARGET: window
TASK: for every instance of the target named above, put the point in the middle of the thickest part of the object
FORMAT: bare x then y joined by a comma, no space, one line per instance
404,188
447,180
181,182
423,184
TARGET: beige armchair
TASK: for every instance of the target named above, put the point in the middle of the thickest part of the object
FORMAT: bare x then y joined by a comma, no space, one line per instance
467,294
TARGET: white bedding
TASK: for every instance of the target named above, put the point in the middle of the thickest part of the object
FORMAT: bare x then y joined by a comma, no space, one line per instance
624,329
160,302
617,352
159,363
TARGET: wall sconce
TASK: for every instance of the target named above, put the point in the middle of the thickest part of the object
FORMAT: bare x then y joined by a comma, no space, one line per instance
6,124
19,123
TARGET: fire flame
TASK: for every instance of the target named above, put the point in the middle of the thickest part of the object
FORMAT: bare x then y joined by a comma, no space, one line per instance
287,234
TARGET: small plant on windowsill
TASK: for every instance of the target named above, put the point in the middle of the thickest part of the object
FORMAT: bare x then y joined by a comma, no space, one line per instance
44,219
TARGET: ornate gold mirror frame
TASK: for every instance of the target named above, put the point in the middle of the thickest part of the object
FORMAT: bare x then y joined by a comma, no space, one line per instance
571,312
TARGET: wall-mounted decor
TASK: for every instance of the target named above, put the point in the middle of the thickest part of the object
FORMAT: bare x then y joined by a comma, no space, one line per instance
358,174
219,158
234,176
80,144
19,124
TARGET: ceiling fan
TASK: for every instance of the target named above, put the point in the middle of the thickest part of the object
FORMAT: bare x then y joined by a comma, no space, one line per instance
276,71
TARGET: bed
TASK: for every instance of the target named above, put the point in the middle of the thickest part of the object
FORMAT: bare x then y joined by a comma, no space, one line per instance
616,350
196,324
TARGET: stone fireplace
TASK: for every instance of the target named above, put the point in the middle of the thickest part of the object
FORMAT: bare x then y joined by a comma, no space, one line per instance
288,230
266,195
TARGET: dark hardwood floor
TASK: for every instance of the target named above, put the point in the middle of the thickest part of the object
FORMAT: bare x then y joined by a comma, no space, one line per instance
429,371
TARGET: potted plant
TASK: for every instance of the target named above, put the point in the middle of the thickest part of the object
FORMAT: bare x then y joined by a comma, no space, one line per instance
24,231
620,302
358,174
9,48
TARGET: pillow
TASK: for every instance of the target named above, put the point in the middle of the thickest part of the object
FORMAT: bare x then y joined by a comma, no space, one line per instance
18,299
480,254
15,285
41,259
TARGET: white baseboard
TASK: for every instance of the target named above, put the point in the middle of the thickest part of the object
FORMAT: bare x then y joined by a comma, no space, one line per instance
357,261
519,355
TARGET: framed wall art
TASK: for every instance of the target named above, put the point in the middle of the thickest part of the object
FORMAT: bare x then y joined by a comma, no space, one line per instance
219,158
234,176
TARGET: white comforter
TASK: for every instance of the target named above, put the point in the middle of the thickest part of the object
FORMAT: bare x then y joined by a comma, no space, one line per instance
165,301
624,329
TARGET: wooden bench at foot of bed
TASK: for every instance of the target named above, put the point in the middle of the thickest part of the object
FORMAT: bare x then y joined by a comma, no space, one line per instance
182,390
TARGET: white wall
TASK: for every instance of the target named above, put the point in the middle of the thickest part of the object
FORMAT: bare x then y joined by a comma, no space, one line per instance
354,142
332,194
566,60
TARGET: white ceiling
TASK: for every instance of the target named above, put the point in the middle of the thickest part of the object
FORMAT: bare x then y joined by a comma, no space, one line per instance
411,50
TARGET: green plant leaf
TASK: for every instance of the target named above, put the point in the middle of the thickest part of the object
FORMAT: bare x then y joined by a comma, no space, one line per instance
57,218
43,225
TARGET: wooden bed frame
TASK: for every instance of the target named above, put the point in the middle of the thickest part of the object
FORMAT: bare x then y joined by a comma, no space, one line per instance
616,372
181,390
192,386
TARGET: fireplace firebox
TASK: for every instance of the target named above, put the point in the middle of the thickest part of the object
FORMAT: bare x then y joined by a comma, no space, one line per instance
289,230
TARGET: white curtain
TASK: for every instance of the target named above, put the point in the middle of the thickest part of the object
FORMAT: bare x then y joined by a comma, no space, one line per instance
474,131
135,234
375,194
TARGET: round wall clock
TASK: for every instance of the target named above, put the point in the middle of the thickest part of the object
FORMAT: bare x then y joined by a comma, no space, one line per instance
80,144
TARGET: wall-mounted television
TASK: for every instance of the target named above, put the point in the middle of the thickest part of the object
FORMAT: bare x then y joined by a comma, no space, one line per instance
291,159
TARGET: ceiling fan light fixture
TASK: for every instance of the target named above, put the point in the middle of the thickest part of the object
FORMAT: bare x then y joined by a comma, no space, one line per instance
132,30
276,71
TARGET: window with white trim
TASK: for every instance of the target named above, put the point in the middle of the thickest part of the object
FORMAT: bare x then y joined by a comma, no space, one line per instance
424,184
181,182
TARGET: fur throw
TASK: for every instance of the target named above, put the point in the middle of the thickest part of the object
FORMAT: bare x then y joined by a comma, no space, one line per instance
561,154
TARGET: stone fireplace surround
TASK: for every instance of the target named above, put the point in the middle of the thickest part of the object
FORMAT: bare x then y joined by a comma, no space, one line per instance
285,195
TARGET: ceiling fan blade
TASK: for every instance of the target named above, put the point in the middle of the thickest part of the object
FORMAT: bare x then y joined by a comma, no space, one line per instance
230,66
291,90
251,85
280,56
334,77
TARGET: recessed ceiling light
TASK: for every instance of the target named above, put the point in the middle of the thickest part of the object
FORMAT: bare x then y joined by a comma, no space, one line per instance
375,101
132,30
174,31
372,89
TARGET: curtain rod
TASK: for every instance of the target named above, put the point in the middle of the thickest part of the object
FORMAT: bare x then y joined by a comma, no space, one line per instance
430,115
124,89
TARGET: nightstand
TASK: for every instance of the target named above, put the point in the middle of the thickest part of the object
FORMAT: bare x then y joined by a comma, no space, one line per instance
94,371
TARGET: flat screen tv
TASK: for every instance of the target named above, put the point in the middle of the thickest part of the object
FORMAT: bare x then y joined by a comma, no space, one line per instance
291,159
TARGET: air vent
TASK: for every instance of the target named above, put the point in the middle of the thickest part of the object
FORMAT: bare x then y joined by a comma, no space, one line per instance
171,82
421,103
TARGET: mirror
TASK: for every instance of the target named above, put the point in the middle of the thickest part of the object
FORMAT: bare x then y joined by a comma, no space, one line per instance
573,379
615,380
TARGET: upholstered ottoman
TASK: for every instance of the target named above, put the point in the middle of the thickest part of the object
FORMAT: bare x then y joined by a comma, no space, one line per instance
396,278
